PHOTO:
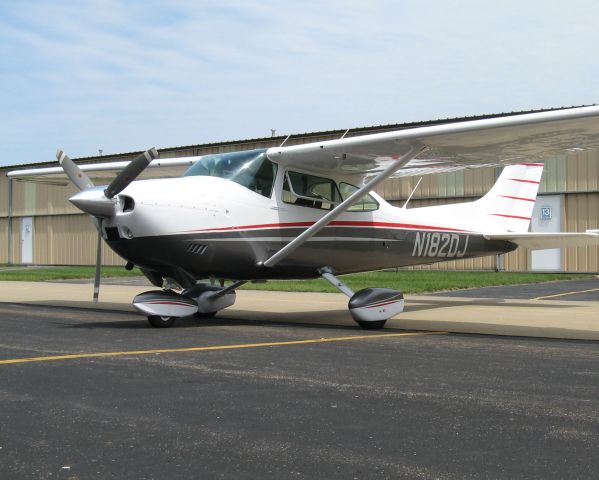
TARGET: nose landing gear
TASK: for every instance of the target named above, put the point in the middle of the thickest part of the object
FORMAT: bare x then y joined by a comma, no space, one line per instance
163,307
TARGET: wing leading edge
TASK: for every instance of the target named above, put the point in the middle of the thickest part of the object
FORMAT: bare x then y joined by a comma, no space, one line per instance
106,171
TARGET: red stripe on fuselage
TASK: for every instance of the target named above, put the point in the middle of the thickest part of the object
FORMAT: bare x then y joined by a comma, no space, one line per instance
519,198
532,164
263,225
339,223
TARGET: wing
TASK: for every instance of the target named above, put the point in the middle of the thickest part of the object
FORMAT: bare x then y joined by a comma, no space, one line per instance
496,141
541,241
102,173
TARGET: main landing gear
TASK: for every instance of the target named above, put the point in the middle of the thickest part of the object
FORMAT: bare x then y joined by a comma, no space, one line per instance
369,307
164,307
160,321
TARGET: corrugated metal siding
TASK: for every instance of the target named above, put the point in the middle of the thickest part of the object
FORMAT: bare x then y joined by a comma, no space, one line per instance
581,213
16,240
466,183
42,199
554,175
3,240
583,172
69,240
516,261
3,194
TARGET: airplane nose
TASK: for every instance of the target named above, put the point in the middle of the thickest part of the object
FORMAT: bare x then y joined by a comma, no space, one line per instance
94,202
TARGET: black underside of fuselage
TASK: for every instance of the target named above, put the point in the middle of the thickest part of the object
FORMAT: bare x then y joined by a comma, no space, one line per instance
237,254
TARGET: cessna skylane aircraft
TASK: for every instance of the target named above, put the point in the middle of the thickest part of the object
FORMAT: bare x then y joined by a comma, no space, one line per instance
309,210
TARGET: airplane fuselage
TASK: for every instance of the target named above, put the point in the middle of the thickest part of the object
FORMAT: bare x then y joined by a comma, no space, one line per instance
213,226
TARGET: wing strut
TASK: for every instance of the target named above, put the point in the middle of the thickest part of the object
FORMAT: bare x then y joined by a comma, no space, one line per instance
414,151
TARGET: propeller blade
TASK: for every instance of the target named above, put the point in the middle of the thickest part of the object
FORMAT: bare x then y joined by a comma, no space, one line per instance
130,172
98,264
75,174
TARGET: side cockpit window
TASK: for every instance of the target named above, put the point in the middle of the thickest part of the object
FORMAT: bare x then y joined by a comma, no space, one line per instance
310,191
365,204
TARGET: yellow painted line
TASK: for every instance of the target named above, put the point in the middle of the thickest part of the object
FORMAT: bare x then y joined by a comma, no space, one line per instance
75,356
565,294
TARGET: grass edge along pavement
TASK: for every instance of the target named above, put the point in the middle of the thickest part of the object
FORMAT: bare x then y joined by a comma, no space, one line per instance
408,281
49,273
416,281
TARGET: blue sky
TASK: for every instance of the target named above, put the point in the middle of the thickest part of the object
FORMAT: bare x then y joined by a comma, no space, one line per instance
127,75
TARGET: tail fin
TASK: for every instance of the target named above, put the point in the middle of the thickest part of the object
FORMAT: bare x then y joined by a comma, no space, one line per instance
509,204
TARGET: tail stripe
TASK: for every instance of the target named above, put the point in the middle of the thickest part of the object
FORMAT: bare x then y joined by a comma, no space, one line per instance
524,181
510,216
533,164
519,198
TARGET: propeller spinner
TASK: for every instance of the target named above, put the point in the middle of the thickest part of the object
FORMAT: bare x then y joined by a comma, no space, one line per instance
98,201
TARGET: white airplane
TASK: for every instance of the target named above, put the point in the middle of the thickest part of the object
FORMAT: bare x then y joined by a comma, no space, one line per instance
309,210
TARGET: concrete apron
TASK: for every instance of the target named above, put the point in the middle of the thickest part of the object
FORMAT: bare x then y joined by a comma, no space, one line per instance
530,318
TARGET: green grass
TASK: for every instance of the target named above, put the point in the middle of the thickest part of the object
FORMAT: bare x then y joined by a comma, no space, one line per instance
419,281
415,281
39,274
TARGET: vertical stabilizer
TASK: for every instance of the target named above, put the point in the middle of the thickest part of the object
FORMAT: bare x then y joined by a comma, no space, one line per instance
509,204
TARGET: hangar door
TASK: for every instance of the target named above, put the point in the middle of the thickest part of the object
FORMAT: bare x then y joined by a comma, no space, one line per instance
547,217
27,240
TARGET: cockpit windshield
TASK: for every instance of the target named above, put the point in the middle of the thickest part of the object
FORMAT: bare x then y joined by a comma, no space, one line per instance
251,168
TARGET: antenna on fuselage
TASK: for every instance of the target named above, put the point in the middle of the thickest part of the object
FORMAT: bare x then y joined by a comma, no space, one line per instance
405,205
344,134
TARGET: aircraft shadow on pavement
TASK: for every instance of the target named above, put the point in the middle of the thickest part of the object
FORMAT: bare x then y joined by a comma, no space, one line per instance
333,319
191,322
312,320
432,304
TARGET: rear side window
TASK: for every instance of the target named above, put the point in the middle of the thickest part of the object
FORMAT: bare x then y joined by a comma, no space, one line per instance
365,204
310,191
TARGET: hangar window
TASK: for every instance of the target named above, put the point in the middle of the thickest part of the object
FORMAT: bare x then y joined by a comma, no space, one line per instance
310,191
251,168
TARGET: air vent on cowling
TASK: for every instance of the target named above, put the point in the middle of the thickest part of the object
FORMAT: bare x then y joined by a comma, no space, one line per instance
196,248
127,202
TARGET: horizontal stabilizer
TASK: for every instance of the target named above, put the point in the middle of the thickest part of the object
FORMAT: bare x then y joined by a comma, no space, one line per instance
541,241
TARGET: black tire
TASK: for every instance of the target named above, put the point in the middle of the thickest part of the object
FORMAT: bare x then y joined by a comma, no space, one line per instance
204,315
372,325
158,321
